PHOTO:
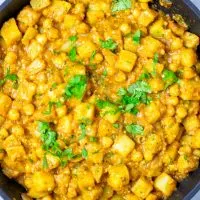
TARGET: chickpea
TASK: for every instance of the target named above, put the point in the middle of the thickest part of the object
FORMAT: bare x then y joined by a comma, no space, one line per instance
29,109
3,133
170,110
125,28
61,112
181,112
98,58
174,90
11,58
120,77
41,38
17,130
47,23
13,114
106,142
136,156
172,100
79,8
82,28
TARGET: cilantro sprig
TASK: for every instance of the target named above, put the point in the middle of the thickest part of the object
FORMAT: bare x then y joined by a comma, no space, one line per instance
119,5
76,87
137,37
11,77
58,104
50,145
169,77
135,94
134,129
108,44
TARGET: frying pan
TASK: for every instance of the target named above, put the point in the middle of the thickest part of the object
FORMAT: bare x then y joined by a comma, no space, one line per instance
10,190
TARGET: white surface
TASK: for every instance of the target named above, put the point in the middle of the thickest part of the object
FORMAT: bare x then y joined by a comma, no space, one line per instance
197,3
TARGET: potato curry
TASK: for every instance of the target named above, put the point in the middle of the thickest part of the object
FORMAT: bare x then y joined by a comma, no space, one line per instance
99,100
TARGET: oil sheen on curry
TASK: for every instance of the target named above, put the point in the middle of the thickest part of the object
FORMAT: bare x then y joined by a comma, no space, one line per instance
99,100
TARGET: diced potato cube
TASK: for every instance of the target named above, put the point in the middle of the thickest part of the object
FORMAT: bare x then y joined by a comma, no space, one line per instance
86,49
171,132
29,35
165,184
110,114
190,40
70,21
39,4
142,188
131,197
105,128
156,29
26,93
85,180
10,32
65,126
149,46
156,84
126,61
152,108
36,66
152,197
151,146
118,176
123,145
57,10
93,194
34,49
28,16
146,17
186,164
191,123
190,89
40,184
5,103
110,57
188,57
129,45
84,111
196,140
97,171
94,15
53,161
16,153
95,155
171,153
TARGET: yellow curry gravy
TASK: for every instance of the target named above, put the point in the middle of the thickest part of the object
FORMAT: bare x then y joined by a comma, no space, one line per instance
99,100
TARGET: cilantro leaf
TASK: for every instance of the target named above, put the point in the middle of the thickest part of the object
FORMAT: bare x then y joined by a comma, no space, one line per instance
144,76
73,38
119,5
135,94
121,92
76,87
116,125
93,56
68,153
83,131
101,104
137,37
45,162
134,129
139,86
93,139
155,62
84,153
73,54
169,77
108,44
12,77
58,104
